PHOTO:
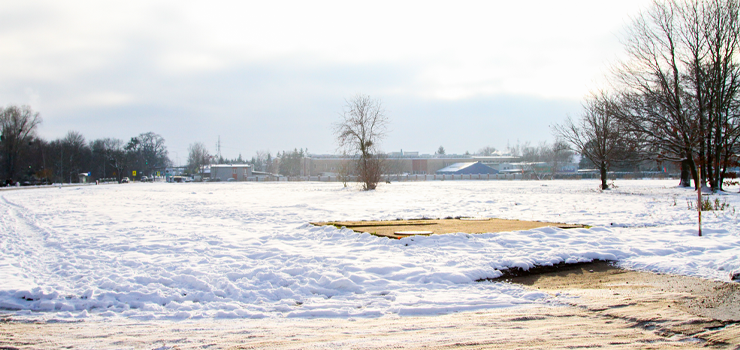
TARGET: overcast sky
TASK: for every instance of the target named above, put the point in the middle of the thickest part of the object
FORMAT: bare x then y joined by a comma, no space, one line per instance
274,75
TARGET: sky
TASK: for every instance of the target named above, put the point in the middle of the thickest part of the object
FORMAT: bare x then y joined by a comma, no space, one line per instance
274,76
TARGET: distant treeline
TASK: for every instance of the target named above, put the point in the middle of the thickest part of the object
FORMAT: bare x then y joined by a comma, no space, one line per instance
27,158
288,163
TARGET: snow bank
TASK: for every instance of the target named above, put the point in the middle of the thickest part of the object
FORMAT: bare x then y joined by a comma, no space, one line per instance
223,250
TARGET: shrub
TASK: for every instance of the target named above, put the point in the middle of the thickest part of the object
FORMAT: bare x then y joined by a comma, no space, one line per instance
709,205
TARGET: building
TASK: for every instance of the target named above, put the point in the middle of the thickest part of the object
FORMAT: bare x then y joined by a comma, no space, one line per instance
467,169
83,177
238,172
497,162
401,163
508,168
413,163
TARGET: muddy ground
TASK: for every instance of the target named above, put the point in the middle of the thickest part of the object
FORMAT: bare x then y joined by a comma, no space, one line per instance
600,307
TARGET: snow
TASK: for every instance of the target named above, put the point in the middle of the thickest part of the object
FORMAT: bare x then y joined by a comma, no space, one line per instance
236,250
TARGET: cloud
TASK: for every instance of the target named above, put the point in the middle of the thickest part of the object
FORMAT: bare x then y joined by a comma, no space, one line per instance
470,124
274,75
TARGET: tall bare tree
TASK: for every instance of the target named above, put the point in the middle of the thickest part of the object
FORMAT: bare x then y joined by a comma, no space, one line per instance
597,135
116,156
362,126
655,103
721,75
75,155
18,128
679,84
108,157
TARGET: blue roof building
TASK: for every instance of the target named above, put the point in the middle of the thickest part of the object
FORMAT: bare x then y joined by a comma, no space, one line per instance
467,168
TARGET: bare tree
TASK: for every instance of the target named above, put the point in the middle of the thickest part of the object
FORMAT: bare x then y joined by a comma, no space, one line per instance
260,160
679,87
721,31
654,102
147,153
394,166
515,151
75,154
116,156
536,159
198,157
362,126
557,155
18,128
530,158
487,151
99,161
597,136
345,169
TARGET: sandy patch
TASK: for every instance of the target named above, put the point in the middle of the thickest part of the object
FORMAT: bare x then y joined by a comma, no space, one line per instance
442,226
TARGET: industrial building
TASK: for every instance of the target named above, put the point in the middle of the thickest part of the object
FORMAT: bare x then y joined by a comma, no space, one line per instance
237,172
408,163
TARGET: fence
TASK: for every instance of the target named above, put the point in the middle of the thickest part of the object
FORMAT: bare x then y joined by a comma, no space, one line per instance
449,177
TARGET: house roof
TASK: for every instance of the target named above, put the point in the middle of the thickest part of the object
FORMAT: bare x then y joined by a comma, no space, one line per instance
455,167
231,165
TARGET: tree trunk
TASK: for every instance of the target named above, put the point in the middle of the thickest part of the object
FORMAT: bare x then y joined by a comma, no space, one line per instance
602,170
685,174
694,172
725,165
718,173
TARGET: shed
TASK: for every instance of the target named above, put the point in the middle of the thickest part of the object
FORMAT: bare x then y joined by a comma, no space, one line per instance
238,172
83,177
467,168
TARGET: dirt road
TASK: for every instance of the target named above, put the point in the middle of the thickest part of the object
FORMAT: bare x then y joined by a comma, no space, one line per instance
602,307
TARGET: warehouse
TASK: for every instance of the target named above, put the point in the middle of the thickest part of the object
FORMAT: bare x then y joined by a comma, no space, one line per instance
467,169
237,172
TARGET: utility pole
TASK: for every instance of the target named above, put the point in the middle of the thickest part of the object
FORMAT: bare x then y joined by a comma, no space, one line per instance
43,160
698,206
218,147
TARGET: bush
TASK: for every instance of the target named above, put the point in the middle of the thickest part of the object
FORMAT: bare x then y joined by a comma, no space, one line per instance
710,205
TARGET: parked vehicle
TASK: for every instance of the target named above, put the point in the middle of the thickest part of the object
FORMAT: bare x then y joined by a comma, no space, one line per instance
124,180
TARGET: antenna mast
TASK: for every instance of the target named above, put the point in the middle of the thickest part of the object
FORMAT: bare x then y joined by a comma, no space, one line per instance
218,147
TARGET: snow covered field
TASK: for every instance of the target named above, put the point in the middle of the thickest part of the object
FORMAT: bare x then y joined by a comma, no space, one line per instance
219,250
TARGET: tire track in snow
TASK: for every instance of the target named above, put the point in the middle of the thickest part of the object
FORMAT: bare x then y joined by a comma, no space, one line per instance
22,251
37,261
